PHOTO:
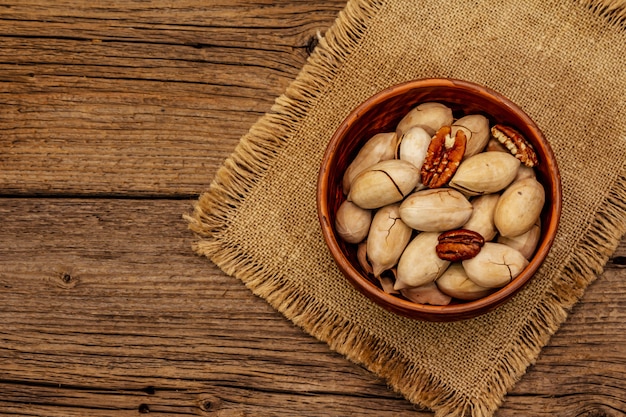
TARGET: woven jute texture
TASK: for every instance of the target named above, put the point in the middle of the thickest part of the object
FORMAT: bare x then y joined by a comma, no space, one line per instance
562,62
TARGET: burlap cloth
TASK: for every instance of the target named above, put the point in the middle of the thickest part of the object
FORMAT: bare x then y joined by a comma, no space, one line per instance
563,62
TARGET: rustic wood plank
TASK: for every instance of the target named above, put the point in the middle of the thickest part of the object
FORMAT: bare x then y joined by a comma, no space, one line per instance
581,371
103,301
106,310
140,98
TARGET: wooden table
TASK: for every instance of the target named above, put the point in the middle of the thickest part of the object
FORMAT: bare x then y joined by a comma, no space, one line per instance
114,116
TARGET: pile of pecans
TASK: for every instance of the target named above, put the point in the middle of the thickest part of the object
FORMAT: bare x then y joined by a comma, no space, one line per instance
442,208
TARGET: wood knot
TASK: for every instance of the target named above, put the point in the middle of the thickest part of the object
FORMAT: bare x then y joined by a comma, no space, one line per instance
67,280
64,278
208,404
198,45
619,260
595,413
311,44
144,408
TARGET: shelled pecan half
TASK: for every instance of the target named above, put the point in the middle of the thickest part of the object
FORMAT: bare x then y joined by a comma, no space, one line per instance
443,157
516,143
458,245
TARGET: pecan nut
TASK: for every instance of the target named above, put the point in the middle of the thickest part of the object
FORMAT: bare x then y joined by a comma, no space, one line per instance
443,157
515,142
458,245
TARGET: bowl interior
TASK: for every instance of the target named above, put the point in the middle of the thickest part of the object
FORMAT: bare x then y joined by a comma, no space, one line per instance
381,113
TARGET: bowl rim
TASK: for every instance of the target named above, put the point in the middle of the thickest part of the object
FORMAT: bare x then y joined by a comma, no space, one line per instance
466,309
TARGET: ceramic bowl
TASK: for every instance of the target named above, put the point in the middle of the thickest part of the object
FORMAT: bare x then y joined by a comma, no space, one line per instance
381,113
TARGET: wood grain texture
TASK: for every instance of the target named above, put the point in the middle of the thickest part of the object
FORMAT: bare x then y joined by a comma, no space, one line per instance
104,309
113,117
140,98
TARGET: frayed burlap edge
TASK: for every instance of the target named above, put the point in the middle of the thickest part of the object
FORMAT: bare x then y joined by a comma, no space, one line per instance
258,148
254,155
614,11
585,263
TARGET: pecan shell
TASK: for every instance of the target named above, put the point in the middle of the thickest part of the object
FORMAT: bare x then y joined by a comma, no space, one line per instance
443,157
458,245
516,143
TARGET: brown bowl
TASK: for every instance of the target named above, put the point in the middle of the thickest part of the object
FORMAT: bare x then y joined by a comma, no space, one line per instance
381,113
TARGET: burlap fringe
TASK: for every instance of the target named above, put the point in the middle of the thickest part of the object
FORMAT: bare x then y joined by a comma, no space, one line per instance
586,261
251,159
258,148
612,10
